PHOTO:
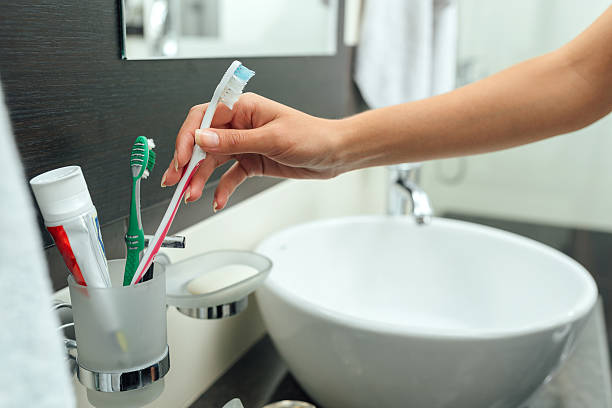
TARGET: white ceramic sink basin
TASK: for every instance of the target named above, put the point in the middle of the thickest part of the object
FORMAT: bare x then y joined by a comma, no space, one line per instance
378,312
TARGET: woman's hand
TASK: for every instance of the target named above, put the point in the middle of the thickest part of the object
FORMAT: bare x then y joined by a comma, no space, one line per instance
265,138
555,93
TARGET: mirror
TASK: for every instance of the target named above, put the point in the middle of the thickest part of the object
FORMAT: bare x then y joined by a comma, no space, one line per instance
228,28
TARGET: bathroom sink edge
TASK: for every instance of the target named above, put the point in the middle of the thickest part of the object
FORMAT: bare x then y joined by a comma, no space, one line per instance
368,325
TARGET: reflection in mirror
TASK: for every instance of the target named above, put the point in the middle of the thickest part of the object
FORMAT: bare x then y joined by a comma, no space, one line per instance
228,28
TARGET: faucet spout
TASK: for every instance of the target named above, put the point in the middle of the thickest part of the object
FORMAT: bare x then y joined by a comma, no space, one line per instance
421,208
404,190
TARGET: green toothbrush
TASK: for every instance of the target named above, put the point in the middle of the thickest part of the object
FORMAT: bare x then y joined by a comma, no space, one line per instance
142,160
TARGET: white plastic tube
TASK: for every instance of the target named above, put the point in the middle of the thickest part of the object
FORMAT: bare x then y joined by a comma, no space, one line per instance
72,221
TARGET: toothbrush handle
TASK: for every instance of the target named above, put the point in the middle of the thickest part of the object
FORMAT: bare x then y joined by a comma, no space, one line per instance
154,245
196,158
134,238
131,264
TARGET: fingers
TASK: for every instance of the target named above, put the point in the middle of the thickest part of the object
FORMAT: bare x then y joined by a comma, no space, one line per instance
237,141
185,139
227,185
196,185
245,166
199,179
251,111
172,175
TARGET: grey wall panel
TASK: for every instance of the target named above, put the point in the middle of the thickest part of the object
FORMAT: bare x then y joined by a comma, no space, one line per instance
73,100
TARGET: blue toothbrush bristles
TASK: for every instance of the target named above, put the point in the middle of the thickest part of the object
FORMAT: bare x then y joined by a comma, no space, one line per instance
235,85
243,73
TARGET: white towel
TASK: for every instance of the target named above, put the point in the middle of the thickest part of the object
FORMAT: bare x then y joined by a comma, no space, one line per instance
407,50
34,373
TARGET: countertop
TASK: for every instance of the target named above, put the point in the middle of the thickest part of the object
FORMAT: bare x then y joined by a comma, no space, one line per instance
583,381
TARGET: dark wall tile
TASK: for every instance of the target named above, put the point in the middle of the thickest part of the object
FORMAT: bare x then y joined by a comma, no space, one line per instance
73,100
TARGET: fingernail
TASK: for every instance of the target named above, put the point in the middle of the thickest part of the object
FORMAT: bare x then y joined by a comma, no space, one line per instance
175,165
215,206
187,195
206,138
163,182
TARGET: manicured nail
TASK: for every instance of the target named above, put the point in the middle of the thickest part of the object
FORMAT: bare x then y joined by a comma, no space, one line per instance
206,138
187,195
163,182
215,206
175,161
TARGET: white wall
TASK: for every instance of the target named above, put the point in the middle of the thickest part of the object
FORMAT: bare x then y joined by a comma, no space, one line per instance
563,181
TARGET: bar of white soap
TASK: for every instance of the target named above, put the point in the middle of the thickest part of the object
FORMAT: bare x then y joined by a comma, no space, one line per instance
220,278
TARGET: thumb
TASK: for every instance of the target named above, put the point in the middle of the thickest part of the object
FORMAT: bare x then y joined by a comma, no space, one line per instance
234,141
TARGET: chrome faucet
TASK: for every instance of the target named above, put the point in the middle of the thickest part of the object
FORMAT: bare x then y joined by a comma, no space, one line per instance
404,188
170,241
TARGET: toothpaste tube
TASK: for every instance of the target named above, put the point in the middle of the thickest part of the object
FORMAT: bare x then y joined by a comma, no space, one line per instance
72,221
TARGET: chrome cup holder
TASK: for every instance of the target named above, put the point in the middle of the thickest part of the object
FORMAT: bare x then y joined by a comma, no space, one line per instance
125,380
240,271
115,338
216,312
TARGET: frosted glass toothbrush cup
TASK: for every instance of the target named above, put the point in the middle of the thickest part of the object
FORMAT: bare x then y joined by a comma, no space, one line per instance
121,332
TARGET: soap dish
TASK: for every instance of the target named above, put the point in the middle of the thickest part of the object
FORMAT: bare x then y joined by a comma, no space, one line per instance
226,278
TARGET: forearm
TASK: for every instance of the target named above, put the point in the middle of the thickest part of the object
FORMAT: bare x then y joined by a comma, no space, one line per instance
546,96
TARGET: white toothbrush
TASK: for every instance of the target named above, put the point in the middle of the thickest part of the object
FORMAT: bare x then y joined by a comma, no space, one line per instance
228,91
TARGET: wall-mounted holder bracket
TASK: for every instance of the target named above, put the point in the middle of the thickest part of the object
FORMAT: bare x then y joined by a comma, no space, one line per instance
115,337
170,241
216,312
64,311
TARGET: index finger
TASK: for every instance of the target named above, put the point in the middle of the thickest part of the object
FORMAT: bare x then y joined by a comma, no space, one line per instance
185,139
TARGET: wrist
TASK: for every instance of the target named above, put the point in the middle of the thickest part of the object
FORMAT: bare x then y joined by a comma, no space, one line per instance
344,156
355,149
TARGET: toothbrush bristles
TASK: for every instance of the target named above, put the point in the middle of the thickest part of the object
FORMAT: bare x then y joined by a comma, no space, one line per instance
151,161
243,73
236,85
